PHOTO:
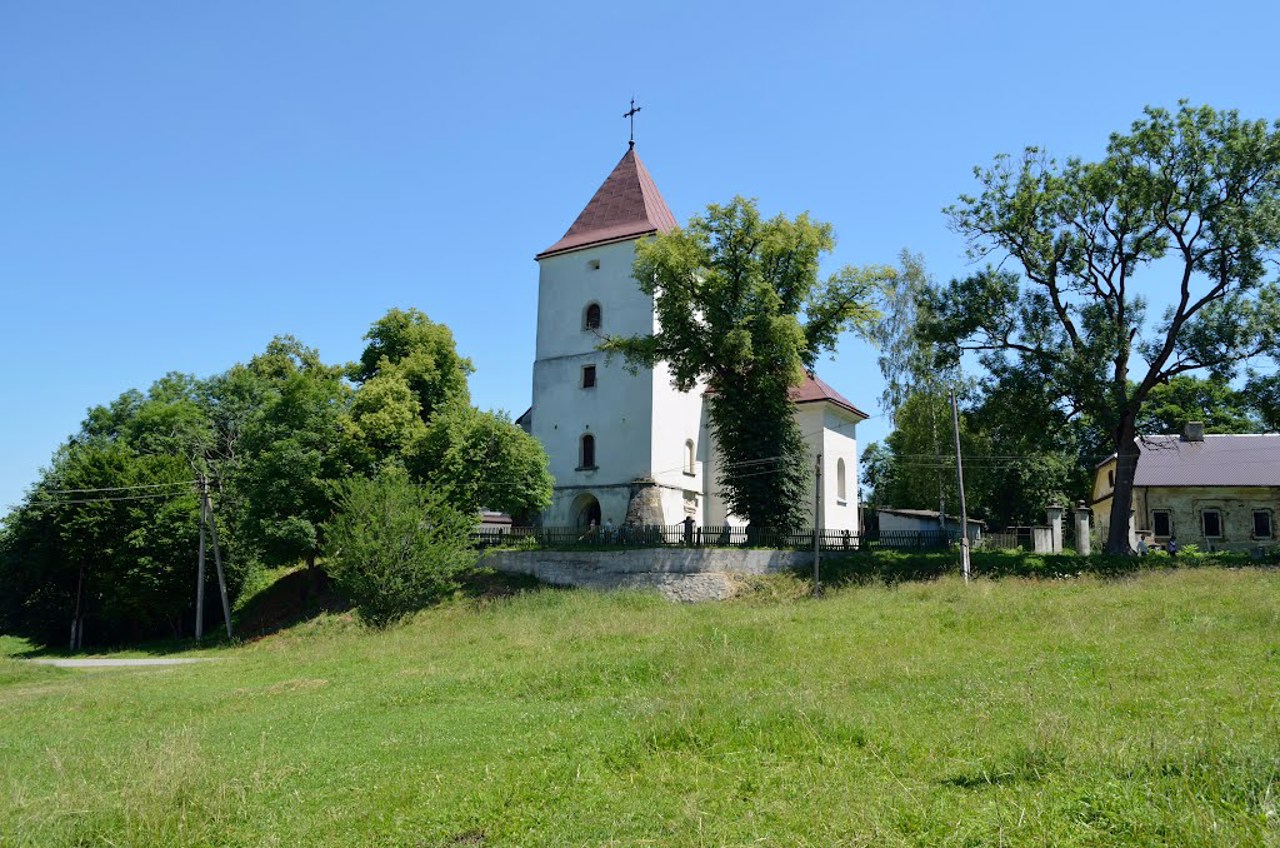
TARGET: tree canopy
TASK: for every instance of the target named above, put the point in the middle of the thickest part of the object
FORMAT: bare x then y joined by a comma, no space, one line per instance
742,310
1188,199
107,536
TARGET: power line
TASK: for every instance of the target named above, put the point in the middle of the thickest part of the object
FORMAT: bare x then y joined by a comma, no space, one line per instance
120,488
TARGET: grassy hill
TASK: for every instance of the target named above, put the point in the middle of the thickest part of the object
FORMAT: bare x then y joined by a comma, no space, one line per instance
1081,712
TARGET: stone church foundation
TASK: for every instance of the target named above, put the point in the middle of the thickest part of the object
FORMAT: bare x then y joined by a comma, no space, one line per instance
678,574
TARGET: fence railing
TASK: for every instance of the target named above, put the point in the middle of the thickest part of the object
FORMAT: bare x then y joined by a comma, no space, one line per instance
656,536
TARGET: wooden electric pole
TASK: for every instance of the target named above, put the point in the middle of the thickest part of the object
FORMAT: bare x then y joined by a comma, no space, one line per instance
206,516
200,571
964,512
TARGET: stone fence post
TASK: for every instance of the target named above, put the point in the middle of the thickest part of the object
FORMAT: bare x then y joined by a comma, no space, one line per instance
1055,527
1082,529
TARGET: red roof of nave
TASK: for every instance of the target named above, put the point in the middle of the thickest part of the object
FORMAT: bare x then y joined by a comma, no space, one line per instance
814,389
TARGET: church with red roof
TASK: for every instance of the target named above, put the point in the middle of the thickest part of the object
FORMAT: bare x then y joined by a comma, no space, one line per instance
626,447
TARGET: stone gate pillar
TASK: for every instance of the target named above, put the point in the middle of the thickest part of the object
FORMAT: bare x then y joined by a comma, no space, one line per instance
1055,527
1082,529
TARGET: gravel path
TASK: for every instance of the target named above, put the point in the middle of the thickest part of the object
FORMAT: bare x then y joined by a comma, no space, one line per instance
110,663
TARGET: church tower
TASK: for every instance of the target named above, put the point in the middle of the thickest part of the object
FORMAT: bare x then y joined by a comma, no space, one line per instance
621,445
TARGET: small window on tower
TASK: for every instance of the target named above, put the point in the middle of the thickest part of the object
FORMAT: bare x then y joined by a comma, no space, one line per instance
588,376
690,458
841,497
591,319
587,452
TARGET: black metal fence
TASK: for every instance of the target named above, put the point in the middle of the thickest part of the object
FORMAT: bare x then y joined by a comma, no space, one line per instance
673,535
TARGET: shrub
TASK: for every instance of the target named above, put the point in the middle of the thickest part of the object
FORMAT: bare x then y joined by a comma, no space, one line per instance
394,547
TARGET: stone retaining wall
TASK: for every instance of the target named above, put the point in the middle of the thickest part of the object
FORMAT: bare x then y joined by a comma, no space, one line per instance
680,574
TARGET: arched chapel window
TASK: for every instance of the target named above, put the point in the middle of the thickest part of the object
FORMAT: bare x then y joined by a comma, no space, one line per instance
689,458
587,452
840,482
591,319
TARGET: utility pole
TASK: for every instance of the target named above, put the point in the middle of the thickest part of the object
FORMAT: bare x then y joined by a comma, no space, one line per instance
964,512
817,523
206,517
200,570
217,559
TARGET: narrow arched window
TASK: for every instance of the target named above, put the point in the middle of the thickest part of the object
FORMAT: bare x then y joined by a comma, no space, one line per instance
689,459
587,452
591,318
840,482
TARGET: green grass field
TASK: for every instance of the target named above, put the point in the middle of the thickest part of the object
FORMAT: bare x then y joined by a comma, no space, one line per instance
1141,711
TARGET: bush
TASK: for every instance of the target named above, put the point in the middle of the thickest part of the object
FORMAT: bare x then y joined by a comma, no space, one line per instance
394,547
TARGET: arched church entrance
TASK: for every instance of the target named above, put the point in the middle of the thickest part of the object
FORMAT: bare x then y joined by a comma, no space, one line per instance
586,511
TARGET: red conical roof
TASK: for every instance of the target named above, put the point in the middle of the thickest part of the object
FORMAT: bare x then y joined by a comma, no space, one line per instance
626,206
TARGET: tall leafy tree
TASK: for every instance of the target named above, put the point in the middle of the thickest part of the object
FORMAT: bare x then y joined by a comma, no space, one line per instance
422,352
294,450
1190,198
1263,392
1211,401
482,460
741,308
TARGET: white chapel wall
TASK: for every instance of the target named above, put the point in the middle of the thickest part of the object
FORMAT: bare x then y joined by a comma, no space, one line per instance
618,410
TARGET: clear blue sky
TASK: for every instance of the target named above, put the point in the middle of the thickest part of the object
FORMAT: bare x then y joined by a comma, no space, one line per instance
179,182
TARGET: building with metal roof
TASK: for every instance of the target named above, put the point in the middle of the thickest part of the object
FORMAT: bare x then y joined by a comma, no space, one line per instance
1219,492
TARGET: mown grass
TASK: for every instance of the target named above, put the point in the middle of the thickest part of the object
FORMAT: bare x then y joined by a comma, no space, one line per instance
1139,711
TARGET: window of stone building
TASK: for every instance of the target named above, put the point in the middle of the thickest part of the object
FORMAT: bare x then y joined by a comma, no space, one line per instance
591,317
1262,524
588,376
690,459
1161,523
840,481
1211,519
587,452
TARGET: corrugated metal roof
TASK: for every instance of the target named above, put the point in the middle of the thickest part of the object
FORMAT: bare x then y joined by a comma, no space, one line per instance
628,204
1240,460
931,514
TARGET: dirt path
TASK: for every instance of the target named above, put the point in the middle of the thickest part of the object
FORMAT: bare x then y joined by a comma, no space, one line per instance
114,663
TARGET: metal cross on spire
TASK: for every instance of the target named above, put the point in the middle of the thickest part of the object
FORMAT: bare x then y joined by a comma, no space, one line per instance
631,144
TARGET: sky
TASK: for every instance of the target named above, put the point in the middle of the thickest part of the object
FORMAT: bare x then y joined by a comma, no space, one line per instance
180,182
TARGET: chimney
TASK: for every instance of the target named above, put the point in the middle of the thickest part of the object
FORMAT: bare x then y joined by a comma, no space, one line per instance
1193,432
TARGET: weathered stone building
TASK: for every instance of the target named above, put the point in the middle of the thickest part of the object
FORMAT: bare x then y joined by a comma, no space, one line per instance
1217,492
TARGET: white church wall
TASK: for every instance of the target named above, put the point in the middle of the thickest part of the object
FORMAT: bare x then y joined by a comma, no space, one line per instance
827,430
615,412
677,419
569,282
839,443
618,410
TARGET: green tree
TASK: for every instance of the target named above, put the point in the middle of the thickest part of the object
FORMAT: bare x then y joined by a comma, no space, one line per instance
423,353
384,422
1263,392
101,547
918,470
1169,406
294,449
910,363
1191,197
729,291
483,460
393,547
